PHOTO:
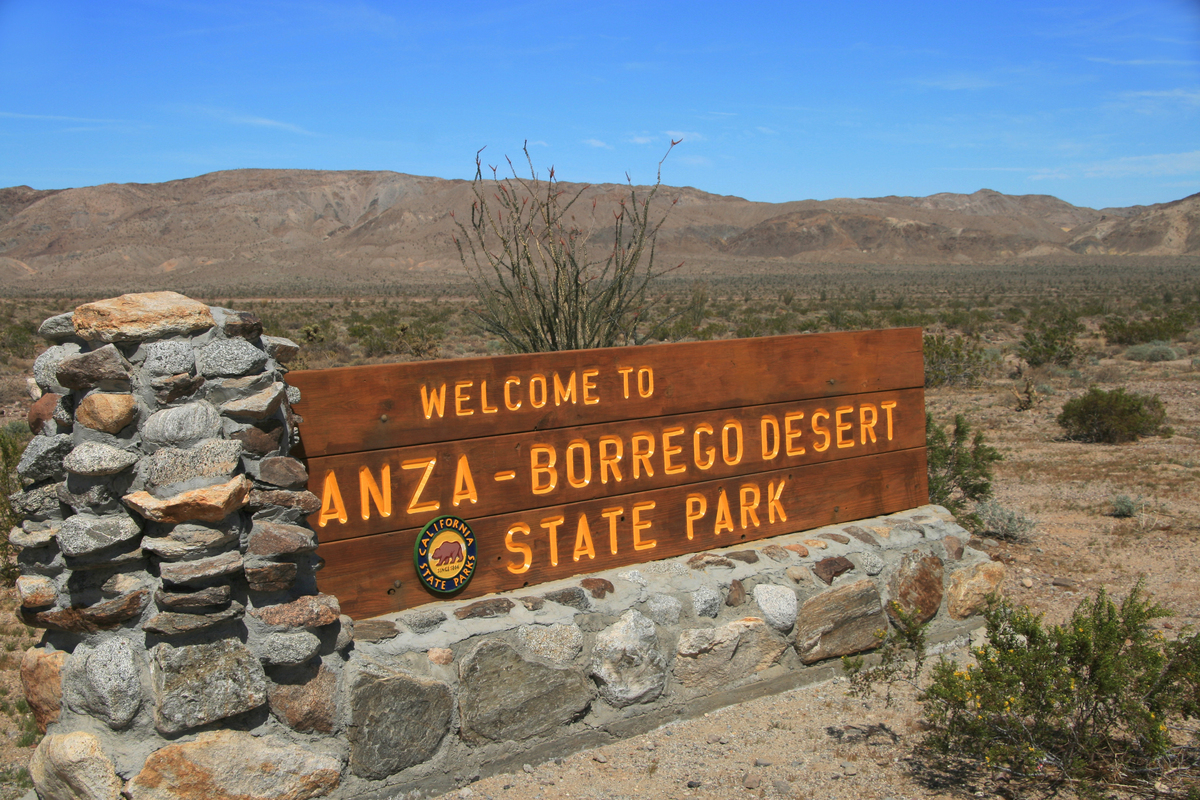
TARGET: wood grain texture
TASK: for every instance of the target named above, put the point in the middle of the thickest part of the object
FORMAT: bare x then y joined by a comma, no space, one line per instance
895,420
362,572
354,409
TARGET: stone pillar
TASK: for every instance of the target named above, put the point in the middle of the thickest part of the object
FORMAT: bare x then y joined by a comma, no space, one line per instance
166,553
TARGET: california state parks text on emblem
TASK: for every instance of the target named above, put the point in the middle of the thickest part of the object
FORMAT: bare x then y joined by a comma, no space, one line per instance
445,555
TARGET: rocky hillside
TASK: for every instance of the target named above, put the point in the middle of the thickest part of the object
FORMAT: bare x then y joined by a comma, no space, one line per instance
328,230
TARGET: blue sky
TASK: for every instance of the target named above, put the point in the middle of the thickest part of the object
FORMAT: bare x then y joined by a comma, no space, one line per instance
1095,102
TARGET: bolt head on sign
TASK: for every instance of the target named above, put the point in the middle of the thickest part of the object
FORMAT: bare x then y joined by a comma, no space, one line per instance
445,555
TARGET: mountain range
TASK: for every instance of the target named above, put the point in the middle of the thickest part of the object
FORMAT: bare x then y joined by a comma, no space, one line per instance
331,231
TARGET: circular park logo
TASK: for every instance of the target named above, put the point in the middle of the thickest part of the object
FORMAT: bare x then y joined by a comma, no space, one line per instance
445,554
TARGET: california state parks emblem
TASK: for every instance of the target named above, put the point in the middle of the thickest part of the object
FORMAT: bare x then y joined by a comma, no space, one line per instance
445,554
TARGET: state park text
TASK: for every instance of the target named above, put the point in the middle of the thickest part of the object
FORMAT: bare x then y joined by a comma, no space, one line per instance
594,459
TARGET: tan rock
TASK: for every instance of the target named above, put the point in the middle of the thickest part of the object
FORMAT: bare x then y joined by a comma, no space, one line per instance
36,591
41,677
101,616
72,766
816,544
839,622
107,412
310,611
710,658
970,587
233,764
210,504
441,655
135,317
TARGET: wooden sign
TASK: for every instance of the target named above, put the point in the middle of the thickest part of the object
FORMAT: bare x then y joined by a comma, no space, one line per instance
573,462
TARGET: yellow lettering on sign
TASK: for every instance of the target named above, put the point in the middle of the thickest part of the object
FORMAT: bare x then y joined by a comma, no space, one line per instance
547,470
583,539
464,484
774,506
694,509
709,451
841,426
589,386
461,398
573,478
866,427
672,450
332,506
645,381
769,424
537,383
508,401
415,506
525,551
608,460
483,401
639,526
433,401
821,413
724,519
748,498
734,457
611,515
625,376
887,406
641,457
790,435
551,525
564,393
369,490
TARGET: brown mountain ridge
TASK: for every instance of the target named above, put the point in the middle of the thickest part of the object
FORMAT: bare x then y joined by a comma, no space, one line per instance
329,231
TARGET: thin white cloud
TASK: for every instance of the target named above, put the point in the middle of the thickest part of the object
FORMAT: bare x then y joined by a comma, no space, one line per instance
642,139
961,81
766,130
597,143
1189,97
234,118
53,118
1146,62
687,136
538,143
1157,164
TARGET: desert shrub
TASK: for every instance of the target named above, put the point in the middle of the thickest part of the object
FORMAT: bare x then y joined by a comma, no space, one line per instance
1119,330
1124,506
1112,417
960,467
539,285
954,361
1051,342
13,439
1152,352
1003,523
1093,700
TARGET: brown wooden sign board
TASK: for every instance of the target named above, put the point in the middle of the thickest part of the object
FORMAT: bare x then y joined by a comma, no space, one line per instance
568,463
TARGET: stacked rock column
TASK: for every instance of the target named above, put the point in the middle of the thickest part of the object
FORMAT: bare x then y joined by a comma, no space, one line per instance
165,551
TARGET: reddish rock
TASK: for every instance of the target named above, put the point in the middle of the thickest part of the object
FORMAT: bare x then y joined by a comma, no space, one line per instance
106,411
737,594
283,471
970,587
310,611
917,586
136,317
306,502
258,440
776,553
41,677
85,370
745,556
101,616
276,539
598,587
170,388
954,547
241,324
572,596
210,504
798,549
309,703
374,630
203,598
532,603
837,537
42,411
271,577
862,535
485,609
829,568
442,656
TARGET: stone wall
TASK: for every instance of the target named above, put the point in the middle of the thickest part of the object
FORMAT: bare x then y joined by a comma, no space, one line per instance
189,654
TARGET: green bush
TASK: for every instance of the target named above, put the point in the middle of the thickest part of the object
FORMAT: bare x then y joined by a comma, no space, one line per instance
1118,330
1152,352
1094,700
960,467
1051,342
13,439
954,361
1124,506
1113,417
1003,523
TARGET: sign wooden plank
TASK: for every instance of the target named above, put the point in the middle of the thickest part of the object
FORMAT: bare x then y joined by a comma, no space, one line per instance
397,405
375,575
385,490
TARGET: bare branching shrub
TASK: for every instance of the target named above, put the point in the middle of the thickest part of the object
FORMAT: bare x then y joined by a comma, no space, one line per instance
531,261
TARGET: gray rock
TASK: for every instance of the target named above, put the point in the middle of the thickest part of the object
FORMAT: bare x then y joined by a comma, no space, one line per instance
45,367
712,658
558,643
706,602
203,569
173,623
183,426
396,721
259,405
103,367
778,604
97,458
870,563
290,648
281,349
38,503
188,540
229,357
839,622
288,473
83,534
627,663
201,683
504,697
201,598
105,681
172,357
58,328
88,495
172,470
32,534
664,609
43,457
272,539
293,395
421,622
